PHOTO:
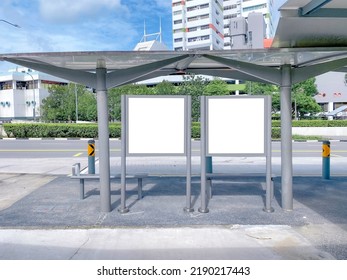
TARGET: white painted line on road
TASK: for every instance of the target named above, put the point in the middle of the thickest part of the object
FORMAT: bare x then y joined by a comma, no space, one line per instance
78,154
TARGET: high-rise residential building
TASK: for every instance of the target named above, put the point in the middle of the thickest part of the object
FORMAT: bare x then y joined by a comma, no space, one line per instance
197,24
205,24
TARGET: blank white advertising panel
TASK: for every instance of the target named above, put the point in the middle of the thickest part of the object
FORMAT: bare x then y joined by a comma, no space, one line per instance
156,125
235,125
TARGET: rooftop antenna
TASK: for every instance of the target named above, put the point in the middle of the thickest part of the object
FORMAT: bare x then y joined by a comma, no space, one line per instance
160,32
144,31
153,35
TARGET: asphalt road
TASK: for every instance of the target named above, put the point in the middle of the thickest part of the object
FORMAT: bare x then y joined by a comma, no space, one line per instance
78,148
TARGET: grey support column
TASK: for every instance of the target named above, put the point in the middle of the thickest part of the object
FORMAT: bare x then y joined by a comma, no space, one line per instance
188,109
269,183
103,131
123,209
203,208
286,138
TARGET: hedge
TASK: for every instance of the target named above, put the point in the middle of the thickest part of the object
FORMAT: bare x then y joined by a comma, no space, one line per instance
314,123
47,130
71,130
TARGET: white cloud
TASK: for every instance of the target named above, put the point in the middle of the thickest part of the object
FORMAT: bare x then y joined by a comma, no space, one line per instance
67,11
164,3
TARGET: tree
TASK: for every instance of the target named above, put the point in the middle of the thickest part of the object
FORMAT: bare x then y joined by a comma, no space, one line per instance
302,96
216,87
114,97
165,88
193,86
60,105
255,88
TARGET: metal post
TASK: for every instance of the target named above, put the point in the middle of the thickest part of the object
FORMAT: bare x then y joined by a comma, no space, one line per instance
269,183
123,209
91,157
203,208
76,103
188,110
286,138
103,131
326,160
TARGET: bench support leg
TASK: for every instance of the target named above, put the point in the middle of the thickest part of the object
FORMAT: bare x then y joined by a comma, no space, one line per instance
139,188
269,196
81,188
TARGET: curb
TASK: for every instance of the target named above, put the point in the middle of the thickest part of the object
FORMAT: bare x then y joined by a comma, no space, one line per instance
57,139
117,139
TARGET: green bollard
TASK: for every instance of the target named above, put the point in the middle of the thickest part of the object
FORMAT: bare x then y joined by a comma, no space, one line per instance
326,160
209,167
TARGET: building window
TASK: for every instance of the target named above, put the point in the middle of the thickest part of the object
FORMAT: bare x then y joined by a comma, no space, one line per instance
230,7
179,49
192,19
5,85
207,37
230,16
21,85
176,4
256,7
178,40
189,9
203,27
192,29
204,16
175,13
193,39
178,21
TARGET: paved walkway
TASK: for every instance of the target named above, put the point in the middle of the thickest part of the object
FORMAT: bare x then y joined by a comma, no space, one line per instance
42,217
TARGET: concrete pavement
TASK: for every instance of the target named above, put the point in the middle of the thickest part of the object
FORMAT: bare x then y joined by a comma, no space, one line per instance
42,217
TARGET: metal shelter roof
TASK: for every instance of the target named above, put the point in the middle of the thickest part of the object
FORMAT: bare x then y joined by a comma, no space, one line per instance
129,66
312,23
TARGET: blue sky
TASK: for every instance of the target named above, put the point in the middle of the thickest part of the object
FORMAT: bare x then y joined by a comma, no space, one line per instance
80,25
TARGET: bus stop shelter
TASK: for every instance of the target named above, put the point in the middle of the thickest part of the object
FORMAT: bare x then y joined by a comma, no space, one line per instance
311,39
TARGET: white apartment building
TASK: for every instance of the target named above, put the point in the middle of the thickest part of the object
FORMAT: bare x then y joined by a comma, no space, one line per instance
197,24
22,91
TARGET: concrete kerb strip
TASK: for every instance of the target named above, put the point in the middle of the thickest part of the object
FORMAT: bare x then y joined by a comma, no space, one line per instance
225,243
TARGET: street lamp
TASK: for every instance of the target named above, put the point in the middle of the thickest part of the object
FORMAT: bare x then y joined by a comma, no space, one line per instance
34,102
10,23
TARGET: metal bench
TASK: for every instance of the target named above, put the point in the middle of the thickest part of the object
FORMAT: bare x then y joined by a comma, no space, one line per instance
211,176
76,174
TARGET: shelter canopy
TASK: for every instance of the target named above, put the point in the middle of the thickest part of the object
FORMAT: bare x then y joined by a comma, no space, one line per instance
312,23
234,64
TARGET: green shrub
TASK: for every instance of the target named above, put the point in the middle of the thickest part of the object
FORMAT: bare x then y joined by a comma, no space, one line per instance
276,133
72,130
54,130
313,123
195,130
